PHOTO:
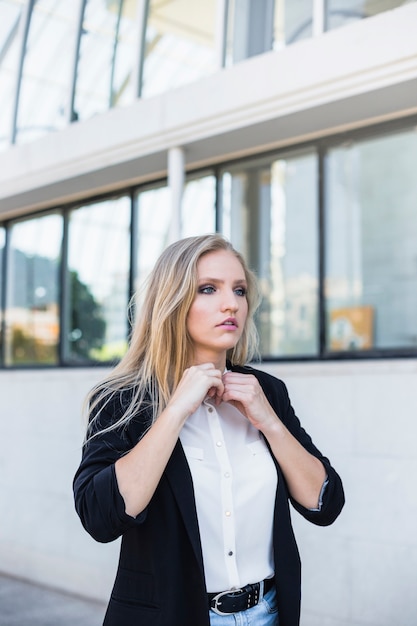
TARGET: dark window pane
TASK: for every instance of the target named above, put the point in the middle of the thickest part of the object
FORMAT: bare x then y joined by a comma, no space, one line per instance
270,214
371,243
32,311
98,281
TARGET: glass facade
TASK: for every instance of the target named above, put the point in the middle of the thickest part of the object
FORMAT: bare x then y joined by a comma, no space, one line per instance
10,40
2,286
257,26
270,213
43,101
371,243
199,206
33,286
154,219
153,216
58,67
97,281
179,44
105,75
338,275
342,12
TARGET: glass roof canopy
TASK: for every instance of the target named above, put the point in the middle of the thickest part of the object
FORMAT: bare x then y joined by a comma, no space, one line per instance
62,61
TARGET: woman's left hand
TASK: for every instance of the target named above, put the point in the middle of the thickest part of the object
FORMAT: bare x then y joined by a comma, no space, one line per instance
304,473
245,393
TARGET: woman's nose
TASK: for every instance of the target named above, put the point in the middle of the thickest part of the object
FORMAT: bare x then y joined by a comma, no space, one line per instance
230,303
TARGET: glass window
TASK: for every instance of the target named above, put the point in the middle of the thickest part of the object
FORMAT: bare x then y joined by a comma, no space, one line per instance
371,243
342,12
179,46
2,244
43,100
154,216
11,13
293,21
256,26
269,211
98,281
32,301
107,59
155,219
199,206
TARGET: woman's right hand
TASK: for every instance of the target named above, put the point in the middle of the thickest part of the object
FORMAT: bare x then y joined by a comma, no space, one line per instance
139,471
197,382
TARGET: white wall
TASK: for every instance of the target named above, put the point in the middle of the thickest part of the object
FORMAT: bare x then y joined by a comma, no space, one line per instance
360,571
41,431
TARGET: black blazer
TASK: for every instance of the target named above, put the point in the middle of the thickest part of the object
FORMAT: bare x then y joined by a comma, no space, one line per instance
160,576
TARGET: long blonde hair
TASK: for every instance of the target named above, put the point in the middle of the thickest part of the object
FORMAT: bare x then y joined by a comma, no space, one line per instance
160,348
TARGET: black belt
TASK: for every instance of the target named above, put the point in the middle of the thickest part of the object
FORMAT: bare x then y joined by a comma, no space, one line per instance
239,600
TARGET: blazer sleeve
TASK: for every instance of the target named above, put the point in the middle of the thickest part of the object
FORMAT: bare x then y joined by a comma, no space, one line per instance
98,501
333,497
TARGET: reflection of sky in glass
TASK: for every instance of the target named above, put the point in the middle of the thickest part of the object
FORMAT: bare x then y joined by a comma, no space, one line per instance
40,236
94,91
371,224
198,207
342,12
297,19
125,62
292,21
179,44
280,240
98,245
9,47
154,218
47,69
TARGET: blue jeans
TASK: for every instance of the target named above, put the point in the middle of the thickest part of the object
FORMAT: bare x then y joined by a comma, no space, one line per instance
263,614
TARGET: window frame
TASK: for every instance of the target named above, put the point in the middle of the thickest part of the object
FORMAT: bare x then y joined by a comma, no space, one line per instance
321,146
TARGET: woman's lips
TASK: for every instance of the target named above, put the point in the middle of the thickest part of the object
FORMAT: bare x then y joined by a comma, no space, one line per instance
230,322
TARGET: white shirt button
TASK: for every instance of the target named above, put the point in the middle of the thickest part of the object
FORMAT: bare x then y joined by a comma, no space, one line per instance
227,474
210,409
219,444
228,513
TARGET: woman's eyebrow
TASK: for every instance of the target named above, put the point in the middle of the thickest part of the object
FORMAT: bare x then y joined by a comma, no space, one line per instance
238,281
210,280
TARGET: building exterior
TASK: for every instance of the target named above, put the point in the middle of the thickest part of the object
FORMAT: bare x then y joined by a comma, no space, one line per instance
288,125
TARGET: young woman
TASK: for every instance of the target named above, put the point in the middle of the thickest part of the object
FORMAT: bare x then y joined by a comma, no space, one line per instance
192,456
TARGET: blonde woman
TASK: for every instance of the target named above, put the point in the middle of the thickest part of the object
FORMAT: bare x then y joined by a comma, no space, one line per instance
192,457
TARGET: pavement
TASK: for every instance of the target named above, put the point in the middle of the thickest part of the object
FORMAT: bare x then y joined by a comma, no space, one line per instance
26,604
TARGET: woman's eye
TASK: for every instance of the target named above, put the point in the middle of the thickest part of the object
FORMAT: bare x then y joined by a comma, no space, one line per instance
241,291
206,289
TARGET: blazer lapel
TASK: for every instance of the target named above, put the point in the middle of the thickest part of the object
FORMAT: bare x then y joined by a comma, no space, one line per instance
178,474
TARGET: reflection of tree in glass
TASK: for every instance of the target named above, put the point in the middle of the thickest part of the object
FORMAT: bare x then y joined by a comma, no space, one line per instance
88,326
27,349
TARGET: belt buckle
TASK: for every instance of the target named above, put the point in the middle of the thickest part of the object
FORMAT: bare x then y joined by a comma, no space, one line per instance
216,599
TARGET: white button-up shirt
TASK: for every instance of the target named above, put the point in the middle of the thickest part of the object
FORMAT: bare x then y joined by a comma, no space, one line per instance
235,483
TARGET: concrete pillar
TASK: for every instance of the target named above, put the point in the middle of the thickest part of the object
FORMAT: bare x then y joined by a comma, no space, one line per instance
176,174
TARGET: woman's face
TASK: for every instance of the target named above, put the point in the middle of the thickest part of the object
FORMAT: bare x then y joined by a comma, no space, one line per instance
217,316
